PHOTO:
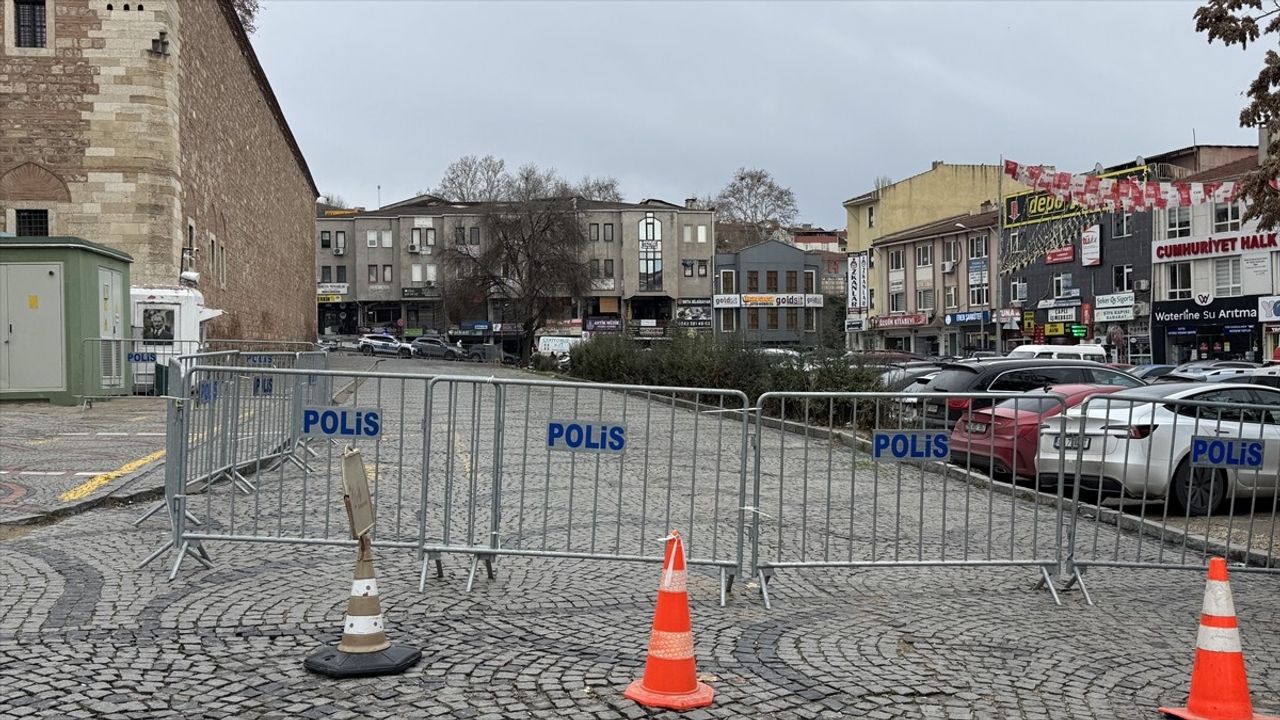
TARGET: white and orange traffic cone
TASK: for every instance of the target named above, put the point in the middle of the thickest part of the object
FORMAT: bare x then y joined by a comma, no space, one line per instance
1219,688
364,649
670,672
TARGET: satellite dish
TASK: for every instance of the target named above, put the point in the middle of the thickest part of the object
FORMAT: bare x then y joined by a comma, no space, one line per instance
1097,167
1140,160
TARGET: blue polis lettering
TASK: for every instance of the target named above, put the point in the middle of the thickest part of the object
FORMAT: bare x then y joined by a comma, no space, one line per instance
911,446
1227,453
580,436
346,423
142,357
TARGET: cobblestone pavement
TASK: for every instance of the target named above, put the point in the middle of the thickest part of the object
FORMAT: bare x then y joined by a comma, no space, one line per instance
84,635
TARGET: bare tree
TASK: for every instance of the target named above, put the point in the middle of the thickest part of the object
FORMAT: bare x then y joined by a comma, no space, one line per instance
334,200
754,199
248,12
883,182
1236,22
473,179
598,188
533,258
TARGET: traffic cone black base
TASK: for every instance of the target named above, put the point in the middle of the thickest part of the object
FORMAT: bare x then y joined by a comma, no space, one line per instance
337,664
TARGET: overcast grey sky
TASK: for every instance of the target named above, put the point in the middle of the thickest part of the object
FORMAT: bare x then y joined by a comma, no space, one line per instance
671,98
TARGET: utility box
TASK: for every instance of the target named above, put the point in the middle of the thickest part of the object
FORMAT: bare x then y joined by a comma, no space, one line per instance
57,293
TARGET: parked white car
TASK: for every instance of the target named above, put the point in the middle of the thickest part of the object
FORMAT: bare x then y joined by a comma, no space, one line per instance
384,345
1140,444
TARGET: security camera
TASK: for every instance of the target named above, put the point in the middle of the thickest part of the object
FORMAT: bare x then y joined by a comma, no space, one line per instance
190,277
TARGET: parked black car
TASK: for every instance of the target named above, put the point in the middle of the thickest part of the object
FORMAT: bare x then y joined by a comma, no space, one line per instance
1009,376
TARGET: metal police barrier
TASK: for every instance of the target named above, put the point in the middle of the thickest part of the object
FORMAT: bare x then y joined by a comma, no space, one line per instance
255,420
260,346
114,367
857,480
1168,483
582,470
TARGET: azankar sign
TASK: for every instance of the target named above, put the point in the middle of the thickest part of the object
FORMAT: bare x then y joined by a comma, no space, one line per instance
1167,250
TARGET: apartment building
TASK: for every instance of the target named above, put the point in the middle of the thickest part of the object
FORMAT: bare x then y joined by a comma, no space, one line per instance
650,265
769,293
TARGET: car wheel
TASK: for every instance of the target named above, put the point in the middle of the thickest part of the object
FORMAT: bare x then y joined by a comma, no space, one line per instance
1198,491
404,353
366,350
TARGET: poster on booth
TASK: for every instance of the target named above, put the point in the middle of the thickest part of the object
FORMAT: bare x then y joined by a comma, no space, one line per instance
1091,245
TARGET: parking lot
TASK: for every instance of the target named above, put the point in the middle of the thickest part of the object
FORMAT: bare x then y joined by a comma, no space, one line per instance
562,636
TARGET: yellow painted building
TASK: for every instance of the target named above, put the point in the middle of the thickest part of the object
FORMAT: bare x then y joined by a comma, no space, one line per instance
941,191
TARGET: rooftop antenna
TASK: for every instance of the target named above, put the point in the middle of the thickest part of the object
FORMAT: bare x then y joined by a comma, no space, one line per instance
379,196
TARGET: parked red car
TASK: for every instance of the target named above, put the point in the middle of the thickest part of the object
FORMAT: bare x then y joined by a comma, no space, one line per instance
1002,440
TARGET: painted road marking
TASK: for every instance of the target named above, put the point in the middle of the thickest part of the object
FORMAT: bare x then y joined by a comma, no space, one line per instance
50,473
87,487
114,434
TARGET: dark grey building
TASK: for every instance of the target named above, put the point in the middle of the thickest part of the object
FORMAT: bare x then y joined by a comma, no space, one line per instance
770,293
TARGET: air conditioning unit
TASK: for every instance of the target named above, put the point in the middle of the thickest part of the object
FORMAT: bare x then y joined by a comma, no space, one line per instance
339,251
414,248
948,266
1141,309
1142,285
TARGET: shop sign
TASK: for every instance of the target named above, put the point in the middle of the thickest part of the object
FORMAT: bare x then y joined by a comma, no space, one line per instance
1037,334
1059,302
1031,207
1055,328
1114,314
332,288
693,312
788,300
1222,310
1091,246
853,324
967,318
417,292
1061,315
726,301
1114,300
977,271
1269,309
1219,246
857,277
896,321
1060,255
1029,318
328,298
1009,315
1086,314
604,324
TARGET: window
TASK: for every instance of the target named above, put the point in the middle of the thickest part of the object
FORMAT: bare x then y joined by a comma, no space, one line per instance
702,233
340,239
1178,223
593,232
793,281
952,295
897,302
459,235
1121,224
386,273
771,281
340,274
32,223
1018,289
415,272
1098,376
702,268
371,238
431,236
753,318
386,238
924,256
773,318
608,232
688,267
871,216
373,273
1061,283
325,240
871,297
1015,240
1036,379
728,320
728,282
895,260
326,273
415,237
810,281
1179,287
1122,278
595,268
1226,216
978,246
811,319
688,233
29,20
793,318
978,295
608,268
924,299
431,274
951,251
1226,277
475,236
753,281
650,231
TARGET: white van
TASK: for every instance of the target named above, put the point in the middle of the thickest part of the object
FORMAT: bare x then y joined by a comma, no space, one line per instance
1061,352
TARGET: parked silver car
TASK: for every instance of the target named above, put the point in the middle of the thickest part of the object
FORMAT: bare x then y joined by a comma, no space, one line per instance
384,345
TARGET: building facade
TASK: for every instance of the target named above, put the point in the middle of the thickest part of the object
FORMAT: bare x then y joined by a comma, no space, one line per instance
938,287
650,265
769,293
155,132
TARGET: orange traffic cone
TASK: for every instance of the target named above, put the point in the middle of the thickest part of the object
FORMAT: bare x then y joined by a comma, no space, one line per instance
671,673
1219,688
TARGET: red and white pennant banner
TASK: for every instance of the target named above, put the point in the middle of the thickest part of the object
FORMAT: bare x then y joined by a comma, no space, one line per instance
1127,194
